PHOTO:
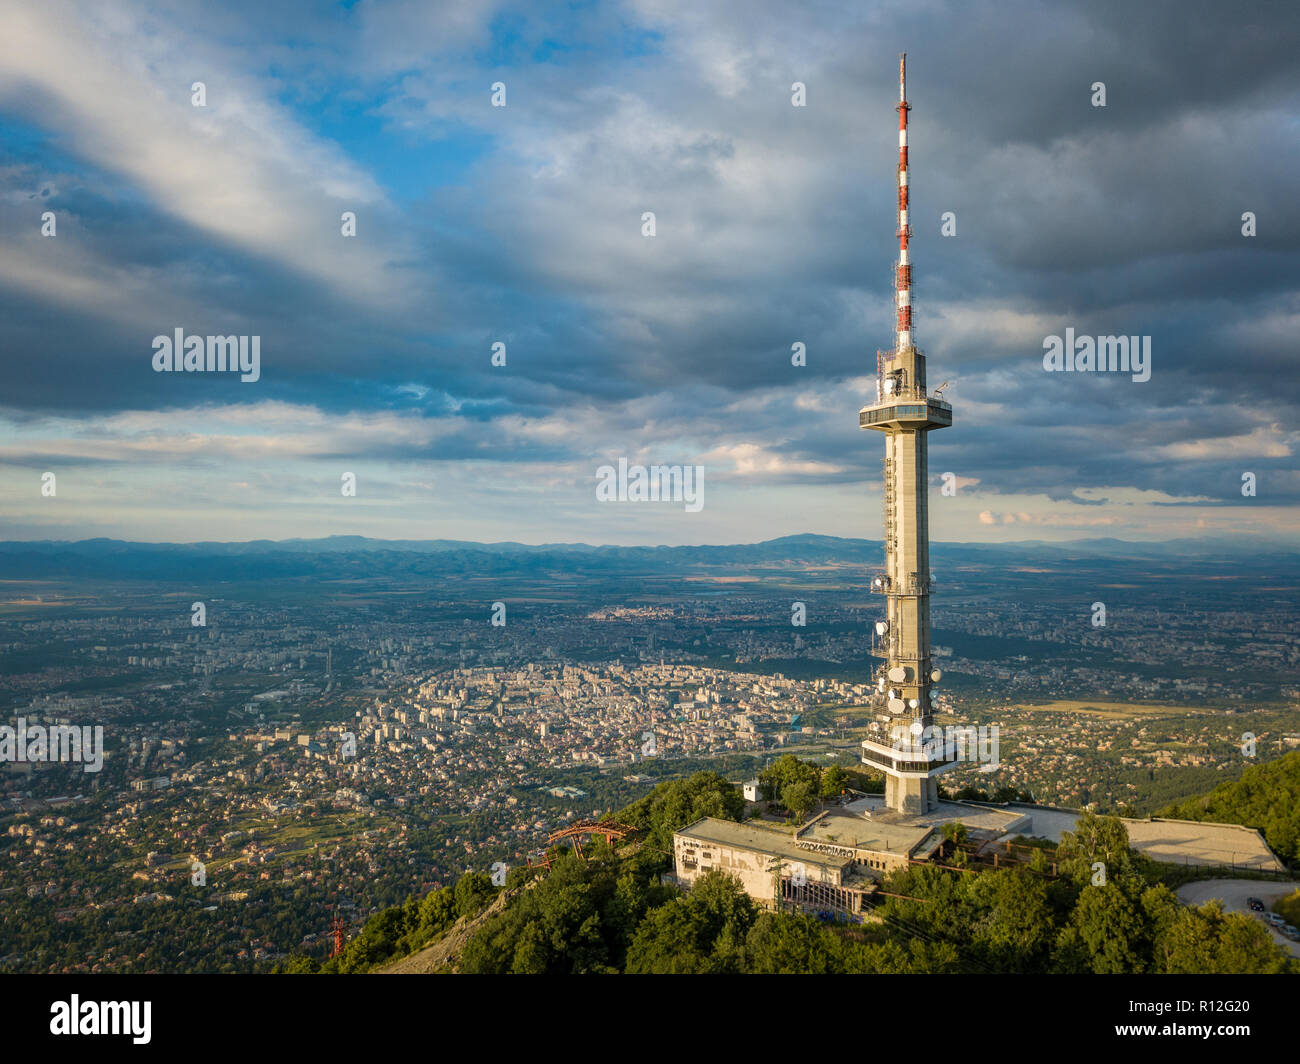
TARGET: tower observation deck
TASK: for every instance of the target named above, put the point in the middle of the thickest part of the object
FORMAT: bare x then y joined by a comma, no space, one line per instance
902,746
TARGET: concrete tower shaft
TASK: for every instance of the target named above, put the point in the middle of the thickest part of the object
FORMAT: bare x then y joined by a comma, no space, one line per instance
905,413
907,570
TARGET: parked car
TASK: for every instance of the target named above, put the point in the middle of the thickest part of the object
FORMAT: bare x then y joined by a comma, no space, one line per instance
1256,906
1275,920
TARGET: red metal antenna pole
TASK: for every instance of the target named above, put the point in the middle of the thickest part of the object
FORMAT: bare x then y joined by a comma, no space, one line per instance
904,270
337,928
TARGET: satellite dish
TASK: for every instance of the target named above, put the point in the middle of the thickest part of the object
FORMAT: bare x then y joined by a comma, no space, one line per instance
882,627
936,676
912,703
898,673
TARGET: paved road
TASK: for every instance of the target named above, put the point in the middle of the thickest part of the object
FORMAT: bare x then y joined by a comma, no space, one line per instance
1234,892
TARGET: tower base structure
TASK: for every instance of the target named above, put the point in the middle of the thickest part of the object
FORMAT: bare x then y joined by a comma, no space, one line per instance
911,794
912,770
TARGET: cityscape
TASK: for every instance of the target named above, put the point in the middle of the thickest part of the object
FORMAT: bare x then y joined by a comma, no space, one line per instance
340,752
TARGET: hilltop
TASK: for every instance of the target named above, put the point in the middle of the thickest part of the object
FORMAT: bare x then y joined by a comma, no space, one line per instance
614,913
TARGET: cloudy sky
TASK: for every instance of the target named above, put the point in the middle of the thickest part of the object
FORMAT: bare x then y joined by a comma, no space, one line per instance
522,225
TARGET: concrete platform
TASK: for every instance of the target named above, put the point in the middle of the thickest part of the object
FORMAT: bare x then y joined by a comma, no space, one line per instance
1184,842
1191,842
842,827
1003,820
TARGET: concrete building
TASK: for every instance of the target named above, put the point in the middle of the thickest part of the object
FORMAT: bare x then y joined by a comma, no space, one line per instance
767,860
836,859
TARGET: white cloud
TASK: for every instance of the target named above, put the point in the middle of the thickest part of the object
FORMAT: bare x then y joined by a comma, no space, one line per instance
1263,442
117,89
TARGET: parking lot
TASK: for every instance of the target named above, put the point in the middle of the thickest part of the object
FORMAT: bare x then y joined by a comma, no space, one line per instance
1234,892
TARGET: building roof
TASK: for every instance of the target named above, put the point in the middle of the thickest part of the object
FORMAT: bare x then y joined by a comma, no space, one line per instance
775,842
839,828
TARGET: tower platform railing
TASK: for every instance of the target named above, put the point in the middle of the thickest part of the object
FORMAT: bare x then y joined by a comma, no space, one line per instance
907,394
881,585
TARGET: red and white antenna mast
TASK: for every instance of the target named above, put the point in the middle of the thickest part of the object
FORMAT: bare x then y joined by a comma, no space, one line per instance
903,272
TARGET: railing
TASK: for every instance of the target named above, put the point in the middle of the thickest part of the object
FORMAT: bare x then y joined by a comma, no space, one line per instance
845,901
913,585
946,757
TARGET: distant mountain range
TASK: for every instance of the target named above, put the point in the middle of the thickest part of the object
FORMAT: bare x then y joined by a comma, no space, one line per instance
110,558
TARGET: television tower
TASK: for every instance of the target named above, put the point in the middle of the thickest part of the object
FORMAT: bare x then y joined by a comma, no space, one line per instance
909,755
